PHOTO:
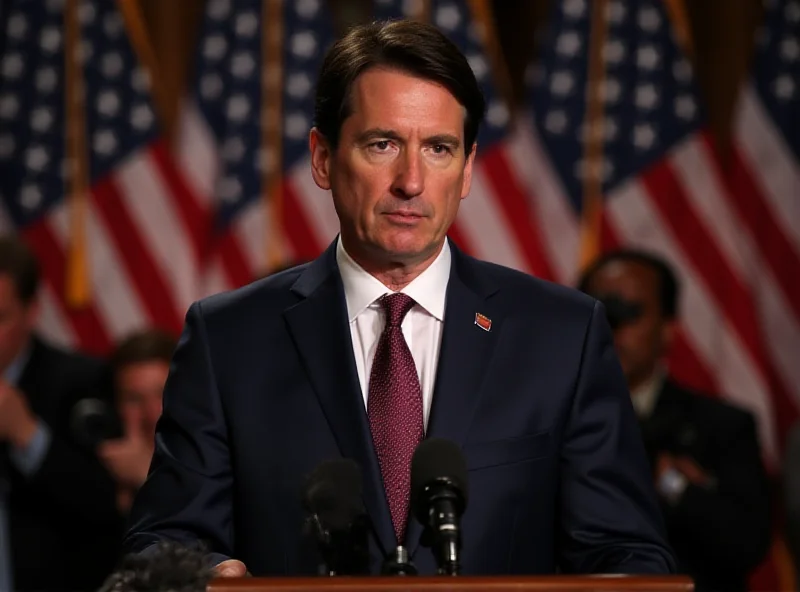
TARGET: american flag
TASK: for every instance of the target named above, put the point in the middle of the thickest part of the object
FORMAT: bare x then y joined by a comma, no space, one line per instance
663,191
142,268
496,221
222,147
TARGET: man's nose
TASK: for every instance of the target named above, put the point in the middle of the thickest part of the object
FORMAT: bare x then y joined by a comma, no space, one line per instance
409,179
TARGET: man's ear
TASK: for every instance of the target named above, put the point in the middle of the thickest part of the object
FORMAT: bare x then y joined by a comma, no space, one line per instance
321,155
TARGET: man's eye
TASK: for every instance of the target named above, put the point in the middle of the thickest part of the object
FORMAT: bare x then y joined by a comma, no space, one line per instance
380,145
441,149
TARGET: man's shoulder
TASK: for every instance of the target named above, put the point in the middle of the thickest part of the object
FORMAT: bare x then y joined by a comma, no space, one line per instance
265,294
524,292
48,354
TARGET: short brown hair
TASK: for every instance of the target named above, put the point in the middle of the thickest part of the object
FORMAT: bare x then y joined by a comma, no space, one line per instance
144,346
18,261
416,48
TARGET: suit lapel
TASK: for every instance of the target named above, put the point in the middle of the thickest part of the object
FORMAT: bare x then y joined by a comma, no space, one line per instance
464,358
318,325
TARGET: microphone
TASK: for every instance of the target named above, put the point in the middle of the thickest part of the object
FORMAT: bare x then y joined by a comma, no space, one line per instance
438,499
337,518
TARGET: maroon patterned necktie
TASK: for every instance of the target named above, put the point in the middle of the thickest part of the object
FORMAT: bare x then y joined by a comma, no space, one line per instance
394,407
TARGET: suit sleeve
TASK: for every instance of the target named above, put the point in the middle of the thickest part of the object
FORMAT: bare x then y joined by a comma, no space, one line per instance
610,520
729,523
187,496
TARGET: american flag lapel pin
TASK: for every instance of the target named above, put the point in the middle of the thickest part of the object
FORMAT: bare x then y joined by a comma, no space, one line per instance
483,321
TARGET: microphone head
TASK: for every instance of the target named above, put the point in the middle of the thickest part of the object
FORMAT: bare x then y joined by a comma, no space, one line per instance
333,492
437,462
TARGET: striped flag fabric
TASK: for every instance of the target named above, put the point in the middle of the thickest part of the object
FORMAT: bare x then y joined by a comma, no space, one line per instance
138,217
495,222
243,145
664,191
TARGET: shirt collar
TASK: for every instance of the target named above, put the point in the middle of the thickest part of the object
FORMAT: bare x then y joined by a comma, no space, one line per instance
362,289
645,397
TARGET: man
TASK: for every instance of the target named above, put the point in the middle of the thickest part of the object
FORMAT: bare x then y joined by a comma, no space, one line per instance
391,334
704,452
56,500
140,366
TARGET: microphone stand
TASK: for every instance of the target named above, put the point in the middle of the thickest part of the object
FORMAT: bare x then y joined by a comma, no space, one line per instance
398,564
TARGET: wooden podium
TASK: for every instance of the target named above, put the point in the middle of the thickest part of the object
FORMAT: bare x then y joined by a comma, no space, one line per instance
458,584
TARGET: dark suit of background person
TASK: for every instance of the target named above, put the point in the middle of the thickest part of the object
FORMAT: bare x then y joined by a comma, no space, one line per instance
704,452
56,498
265,382
791,491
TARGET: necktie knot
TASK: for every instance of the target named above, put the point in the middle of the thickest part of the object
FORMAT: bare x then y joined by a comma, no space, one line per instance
396,306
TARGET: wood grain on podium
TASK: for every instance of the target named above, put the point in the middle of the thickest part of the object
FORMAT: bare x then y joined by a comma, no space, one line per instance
465,584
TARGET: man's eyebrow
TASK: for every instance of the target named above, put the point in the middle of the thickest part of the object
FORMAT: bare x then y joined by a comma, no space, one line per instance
387,134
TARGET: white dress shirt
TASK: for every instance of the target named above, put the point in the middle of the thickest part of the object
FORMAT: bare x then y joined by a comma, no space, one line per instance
422,326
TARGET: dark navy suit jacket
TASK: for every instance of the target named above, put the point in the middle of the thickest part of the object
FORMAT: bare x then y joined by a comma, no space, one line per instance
264,387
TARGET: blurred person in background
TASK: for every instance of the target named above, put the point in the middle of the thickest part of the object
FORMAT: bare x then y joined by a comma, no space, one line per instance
140,366
704,452
170,567
791,490
56,498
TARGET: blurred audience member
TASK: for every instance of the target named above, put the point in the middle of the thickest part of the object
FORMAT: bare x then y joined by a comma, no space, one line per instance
791,477
704,452
140,366
56,499
166,567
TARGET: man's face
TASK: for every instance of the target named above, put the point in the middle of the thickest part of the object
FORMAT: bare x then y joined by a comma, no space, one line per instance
642,342
400,169
17,321
140,387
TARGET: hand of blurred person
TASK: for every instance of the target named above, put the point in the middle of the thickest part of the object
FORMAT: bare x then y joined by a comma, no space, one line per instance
686,466
231,568
128,458
17,422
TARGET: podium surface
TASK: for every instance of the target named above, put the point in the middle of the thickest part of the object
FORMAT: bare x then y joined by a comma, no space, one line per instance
458,584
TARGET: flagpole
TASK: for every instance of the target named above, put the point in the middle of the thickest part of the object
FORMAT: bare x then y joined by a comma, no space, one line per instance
592,211
271,154
77,288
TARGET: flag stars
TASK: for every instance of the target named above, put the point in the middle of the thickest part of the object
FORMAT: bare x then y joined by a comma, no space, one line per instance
615,11
104,142
108,103
296,126
685,107
12,65
211,86
790,49
646,97
247,24
448,17
649,19
307,9
112,65
46,79
562,83
17,26
478,65
238,108
36,158
568,44
219,9
243,65
574,9
784,87
7,146
233,149
412,8
647,57
556,122
215,47
142,117
113,25
230,190
614,51
497,114
298,85
140,80
9,106
304,44
792,12
87,13
84,51
644,136
610,90
41,119
30,197
682,70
